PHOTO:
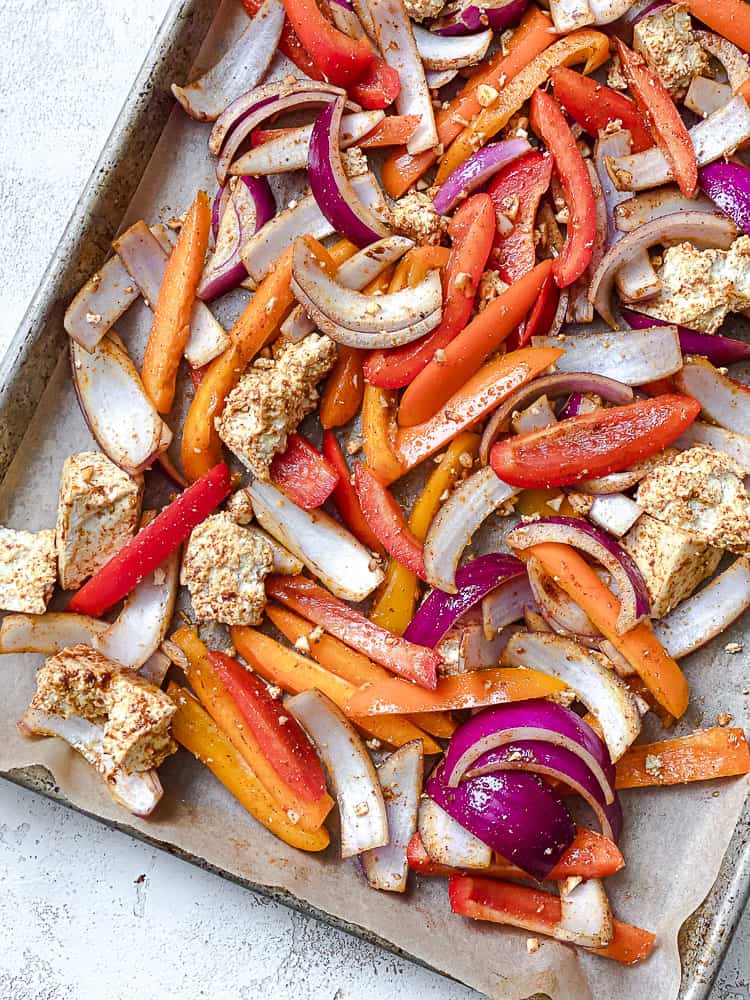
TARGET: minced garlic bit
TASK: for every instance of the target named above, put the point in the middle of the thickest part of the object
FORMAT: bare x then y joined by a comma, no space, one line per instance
486,95
532,945
466,459
361,809
733,647
724,718
274,691
302,644
653,765
439,356
316,634
293,817
373,744
93,318
464,283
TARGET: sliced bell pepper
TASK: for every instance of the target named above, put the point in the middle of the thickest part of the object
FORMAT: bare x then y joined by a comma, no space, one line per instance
533,35
586,46
549,123
289,43
344,388
662,117
702,756
294,673
234,723
171,325
345,496
593,444
342,60
387,521
592,105
493,383
305,475
154,543
639,646
730,18
591,855
347,663
467,351
473,689
379,432
535,502
415,265
472,230
397,598
516,192
394,130
378,88
541,316
415,663
536,911
194,729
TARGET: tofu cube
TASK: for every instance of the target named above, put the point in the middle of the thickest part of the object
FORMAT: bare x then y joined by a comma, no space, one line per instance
28,570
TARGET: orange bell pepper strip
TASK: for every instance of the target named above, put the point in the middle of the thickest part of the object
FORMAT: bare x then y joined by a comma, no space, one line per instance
585,46
294,673
533,35
379,432
730,18
347,663
387,521
462,358
194,729
394,130
662,117
474,689
397,598
485,390
639,646
415,265
549,123
257,325
702,756
415,663
591,855
472,230
537,911
345,496
344,388
171,325
223,709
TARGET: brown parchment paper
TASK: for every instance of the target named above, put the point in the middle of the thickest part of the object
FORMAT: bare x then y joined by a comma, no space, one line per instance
674,838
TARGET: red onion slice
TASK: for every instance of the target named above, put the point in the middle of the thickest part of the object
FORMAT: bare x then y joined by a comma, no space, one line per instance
475,171
364,823
447,842
704,96
559,610
600,546
632,356
728,186
99,304
733,60
466,648
737,446
516,814
722,400
570,15
719,350
437,78
506,605
636,211
221,198
586,917
441,53
48,633
243,65
466,17
615,513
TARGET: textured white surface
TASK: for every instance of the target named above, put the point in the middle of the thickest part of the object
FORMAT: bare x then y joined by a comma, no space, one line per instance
86,912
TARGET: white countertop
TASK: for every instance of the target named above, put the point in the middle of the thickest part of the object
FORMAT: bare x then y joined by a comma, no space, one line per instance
87,912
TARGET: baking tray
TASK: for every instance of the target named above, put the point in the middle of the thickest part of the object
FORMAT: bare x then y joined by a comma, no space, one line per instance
36,349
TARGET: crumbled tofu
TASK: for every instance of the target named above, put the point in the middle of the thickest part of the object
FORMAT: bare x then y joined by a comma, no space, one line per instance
581,503
423,10
28,570
415,216
271,398
463,282
224,569
701,491
491,285
666,41
733,647
532,945
672,561
615,76
134,715
699,287
653,764
240,507
486,95
98,513
355,162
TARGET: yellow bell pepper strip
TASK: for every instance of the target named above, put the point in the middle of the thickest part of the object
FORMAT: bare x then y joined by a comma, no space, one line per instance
536,502
702,756
397,598
294,673
729,18
639,646
171,326
222,708
379,431
484,391
586,46
347,663
194,729
474,689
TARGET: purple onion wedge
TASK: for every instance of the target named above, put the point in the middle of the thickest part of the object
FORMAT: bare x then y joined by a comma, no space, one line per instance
475,171
719,350
464,17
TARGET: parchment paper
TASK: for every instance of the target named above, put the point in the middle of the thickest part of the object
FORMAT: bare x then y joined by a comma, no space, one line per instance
674,838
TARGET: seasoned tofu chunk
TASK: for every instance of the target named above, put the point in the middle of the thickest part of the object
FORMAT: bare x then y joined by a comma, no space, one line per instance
672,561
423,10
224,569
98,513
28,570
415,216
667,42
135,716
701,491
271,399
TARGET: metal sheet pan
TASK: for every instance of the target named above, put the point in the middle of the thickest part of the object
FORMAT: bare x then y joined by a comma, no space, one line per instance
39,341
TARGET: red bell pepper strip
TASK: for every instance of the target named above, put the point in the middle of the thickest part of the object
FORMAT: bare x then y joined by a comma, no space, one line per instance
591,855
536,911
662,117
472,229
541,316
594,444
153,544
279,736
549,123
516,192
345,496
378,88
342,60
593,106
307,478
387,521
289,43
412,662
